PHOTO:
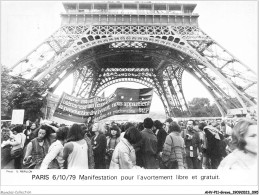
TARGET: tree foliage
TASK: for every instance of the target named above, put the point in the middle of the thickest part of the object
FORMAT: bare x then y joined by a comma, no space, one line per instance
20,93
6,91
200,107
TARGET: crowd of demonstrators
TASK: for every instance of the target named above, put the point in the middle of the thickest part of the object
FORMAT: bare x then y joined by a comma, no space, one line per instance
151,144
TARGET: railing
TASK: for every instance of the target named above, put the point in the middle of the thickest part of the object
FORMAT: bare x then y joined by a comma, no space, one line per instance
128,11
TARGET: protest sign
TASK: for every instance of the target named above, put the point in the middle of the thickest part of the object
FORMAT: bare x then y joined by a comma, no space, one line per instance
17,116
126,101
76,109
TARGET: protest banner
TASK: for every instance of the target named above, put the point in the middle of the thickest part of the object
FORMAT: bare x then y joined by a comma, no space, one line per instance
126,101
76,109
17,116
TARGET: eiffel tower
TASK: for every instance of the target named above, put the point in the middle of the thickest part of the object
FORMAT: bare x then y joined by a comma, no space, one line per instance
103,43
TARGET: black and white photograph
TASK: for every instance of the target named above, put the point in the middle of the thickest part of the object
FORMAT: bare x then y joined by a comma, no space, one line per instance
168,89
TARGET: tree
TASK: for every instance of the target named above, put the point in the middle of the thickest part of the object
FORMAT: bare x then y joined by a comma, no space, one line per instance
20,93
6,91
200,107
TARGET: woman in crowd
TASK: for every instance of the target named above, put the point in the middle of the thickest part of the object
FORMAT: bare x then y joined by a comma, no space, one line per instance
38,148
112,140
173,155
204,145
17,144
29,133
99,145
54,158
160,134
244,137
6,160
124,156
125,127
75,151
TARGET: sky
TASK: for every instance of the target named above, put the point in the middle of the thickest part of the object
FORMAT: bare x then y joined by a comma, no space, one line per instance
233,24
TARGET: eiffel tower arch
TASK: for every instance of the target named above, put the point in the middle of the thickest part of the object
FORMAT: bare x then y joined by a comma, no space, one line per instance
101,44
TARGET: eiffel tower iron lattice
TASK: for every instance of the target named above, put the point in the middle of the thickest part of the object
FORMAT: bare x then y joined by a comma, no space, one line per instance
149,43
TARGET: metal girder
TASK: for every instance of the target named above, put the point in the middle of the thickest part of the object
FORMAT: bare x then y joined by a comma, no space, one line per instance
174,75
82,81
103,46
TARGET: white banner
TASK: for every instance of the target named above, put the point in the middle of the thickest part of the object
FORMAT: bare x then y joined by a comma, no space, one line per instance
17,117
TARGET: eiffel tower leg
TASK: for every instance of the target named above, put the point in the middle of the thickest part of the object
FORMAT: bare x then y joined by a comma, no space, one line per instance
174,85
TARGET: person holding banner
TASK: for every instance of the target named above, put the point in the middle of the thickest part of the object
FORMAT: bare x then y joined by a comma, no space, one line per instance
99,143
124,156
38,148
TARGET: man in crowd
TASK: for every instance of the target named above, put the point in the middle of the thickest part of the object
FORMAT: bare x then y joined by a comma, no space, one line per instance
192,145
148,147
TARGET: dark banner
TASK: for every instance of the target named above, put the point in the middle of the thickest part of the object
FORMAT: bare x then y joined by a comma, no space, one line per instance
126,101
77,109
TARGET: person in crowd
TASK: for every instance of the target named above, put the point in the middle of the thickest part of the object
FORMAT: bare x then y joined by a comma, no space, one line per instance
173,155
245,139
84,128
75,151
161,136
167,124
29,133
112,140
106,129
148,147
216,147
6,160
204,158
99,143
88,131
230,147
125,127
38,148
223,127
192,145
140,126
90,151
17,143
54,158
137,146
124,154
